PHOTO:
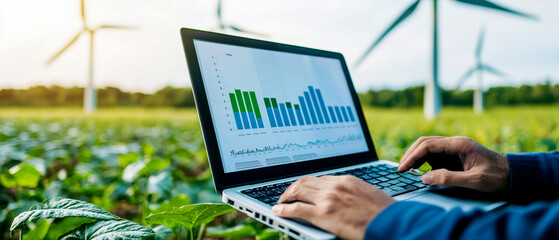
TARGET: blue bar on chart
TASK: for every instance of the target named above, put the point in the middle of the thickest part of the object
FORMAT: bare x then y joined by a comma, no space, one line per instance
305,111
250,112
350,113
284,114
242,109
299,115
270,112
332,115
344,113
309,109
322,105
316,105
277,112
309,105
236,111
338,113
291,113
256,109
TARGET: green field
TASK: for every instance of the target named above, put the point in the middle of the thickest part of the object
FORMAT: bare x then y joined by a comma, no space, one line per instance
133,161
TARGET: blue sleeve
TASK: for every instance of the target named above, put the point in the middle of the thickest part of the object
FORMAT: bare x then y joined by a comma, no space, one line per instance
413,220
531,174
534,175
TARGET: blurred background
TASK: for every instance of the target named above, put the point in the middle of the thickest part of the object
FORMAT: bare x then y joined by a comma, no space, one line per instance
141,148
149,57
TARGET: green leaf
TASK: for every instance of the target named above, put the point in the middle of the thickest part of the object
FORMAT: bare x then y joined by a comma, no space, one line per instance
236,232
64,225
76,234
117,229
39,164
268,234
60,208
162,232
147,149
131,171
39,231
22,175
113,229
155,164
175,202
161,184
125,159
189,216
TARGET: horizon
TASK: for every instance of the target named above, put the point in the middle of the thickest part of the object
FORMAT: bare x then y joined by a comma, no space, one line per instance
544,83
530,54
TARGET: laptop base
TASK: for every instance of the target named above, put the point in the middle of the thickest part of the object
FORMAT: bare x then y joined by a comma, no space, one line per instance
300,229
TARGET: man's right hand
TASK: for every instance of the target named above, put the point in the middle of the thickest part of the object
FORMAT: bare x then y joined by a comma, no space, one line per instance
484,169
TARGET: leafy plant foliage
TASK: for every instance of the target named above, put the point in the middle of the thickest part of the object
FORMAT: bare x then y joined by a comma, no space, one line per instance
70,155
105,225
112,229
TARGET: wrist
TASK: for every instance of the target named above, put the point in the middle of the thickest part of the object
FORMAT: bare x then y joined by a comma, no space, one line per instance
505,172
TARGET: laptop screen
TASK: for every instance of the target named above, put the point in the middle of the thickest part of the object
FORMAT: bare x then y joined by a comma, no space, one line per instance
274,108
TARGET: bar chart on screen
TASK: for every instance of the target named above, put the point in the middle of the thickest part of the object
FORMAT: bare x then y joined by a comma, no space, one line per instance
308,109
270,108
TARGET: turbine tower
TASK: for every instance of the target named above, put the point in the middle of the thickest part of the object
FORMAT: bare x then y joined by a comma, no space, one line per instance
432,102
90,94
223,26
479,67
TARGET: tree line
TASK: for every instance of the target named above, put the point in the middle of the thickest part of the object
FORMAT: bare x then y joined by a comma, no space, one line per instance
496,96
57,96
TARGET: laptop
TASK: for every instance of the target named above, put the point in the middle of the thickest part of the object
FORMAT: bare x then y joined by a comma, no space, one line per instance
271,113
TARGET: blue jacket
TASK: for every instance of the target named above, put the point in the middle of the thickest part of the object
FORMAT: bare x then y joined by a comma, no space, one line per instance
535,175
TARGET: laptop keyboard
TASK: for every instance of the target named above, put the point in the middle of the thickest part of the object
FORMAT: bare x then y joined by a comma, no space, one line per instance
382,176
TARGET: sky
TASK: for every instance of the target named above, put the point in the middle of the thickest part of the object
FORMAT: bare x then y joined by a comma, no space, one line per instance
150,56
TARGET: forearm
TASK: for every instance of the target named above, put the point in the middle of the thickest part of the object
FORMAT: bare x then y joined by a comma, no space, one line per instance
534,175
412,220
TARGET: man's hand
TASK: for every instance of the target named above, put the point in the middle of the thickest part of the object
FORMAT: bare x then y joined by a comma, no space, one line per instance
484,170
342,205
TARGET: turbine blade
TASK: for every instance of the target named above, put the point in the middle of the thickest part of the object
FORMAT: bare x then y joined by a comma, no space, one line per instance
55,56
235,28
114,27
401,18
83,13
480,43
488,4
493,71
465,77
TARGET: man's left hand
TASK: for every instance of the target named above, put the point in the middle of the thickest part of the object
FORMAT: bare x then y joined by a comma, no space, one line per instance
342,205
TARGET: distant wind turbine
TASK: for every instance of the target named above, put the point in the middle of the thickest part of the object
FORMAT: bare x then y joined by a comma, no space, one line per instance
90,94
223,26
432,96
479,68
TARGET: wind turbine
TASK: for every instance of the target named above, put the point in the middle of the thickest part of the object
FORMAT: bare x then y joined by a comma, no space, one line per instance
478,68
90,94
223,26
432,103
